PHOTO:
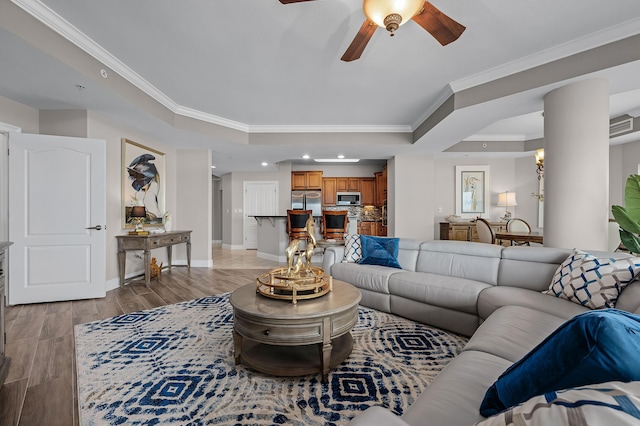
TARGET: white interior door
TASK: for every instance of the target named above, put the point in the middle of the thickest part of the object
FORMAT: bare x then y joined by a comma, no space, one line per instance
260,199
56,196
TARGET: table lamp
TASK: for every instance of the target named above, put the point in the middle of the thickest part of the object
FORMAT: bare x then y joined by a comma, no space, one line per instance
137,214
507,199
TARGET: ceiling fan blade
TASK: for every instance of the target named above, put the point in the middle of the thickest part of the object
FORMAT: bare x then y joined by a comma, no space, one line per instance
292,1
439,25
355,49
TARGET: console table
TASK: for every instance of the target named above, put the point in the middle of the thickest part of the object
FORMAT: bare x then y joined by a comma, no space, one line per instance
147,243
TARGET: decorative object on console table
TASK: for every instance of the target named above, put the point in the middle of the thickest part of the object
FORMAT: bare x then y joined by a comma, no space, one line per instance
138,214
507,199
166,220
143,182
472,191
4,360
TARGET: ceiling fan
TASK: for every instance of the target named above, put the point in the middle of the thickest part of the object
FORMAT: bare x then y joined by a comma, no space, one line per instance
391,14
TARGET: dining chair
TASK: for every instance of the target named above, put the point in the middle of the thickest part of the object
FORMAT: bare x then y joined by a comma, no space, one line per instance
334,224
296,224
485,233
518,225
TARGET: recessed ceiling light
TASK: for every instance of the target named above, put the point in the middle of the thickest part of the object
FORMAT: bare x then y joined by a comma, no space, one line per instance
341,156
264,163
336,160
213,167
306,156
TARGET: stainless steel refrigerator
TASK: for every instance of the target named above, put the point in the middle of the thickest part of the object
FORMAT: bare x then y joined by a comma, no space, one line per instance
307,200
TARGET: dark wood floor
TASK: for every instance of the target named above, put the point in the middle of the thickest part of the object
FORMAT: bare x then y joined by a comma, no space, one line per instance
40,388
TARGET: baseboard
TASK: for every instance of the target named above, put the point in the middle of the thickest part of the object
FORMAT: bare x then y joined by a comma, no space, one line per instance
272,257
232,247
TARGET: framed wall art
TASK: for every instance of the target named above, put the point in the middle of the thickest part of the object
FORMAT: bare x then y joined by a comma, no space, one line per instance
143,183
472,191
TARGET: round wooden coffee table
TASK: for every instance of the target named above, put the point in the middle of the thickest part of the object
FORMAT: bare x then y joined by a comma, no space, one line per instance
284,339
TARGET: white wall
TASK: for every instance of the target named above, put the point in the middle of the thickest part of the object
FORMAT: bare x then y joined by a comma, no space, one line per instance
19,115
194,204
506,174
100,127
411,202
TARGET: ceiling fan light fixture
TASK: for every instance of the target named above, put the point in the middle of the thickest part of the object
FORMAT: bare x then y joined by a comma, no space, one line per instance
391,14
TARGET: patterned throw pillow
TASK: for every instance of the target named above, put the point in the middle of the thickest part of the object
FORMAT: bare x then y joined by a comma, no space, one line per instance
353,249
612,403
592,281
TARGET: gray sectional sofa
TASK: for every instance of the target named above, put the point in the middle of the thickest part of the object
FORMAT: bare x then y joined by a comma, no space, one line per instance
489,292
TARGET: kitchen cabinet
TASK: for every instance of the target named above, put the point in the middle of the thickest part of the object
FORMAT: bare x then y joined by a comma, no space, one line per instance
381,230
381,188
367,228
367,191
465,231
329,191
306,180
348,184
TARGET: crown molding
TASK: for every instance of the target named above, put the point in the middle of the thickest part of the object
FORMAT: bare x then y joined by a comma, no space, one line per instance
330,129
57,23
621,31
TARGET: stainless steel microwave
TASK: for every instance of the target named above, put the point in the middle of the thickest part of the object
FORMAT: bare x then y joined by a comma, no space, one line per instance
348,199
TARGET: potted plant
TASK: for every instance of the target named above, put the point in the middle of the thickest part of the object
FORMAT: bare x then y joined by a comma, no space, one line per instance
628,217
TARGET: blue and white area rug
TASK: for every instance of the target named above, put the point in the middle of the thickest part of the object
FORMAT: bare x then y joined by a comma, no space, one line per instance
174,365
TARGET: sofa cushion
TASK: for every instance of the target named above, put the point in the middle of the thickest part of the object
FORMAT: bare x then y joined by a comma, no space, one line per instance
353,249
594,282
530,267
612,403
474,261
440,290
593,347
455,394
512,331
369,277
495,297
379,251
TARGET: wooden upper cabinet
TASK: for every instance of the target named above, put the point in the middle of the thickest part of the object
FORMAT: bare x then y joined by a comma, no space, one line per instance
381,188
367,191
347,184
306,180
314,180
329,191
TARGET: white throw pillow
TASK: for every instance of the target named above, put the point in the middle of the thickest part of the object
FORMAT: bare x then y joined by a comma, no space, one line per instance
611,403
352,249
591,281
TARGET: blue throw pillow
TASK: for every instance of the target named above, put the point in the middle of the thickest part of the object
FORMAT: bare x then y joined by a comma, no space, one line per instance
593,347
379,251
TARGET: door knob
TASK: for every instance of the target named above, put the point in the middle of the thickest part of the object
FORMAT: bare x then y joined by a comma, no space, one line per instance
97,227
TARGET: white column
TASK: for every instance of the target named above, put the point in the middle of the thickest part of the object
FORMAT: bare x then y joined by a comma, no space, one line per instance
576,165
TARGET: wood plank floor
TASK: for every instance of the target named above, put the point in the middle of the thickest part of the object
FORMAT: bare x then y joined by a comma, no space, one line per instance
40,388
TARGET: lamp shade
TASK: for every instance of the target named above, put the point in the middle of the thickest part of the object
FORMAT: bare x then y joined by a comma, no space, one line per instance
507,199
378,10
138,211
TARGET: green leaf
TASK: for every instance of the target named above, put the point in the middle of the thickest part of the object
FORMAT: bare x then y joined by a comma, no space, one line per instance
632,198
624,220
630,241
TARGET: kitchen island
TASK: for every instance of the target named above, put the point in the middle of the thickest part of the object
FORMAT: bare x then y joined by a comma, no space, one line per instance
272,237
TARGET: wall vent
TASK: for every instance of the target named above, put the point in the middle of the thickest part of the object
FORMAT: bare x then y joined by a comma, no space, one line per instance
620,127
